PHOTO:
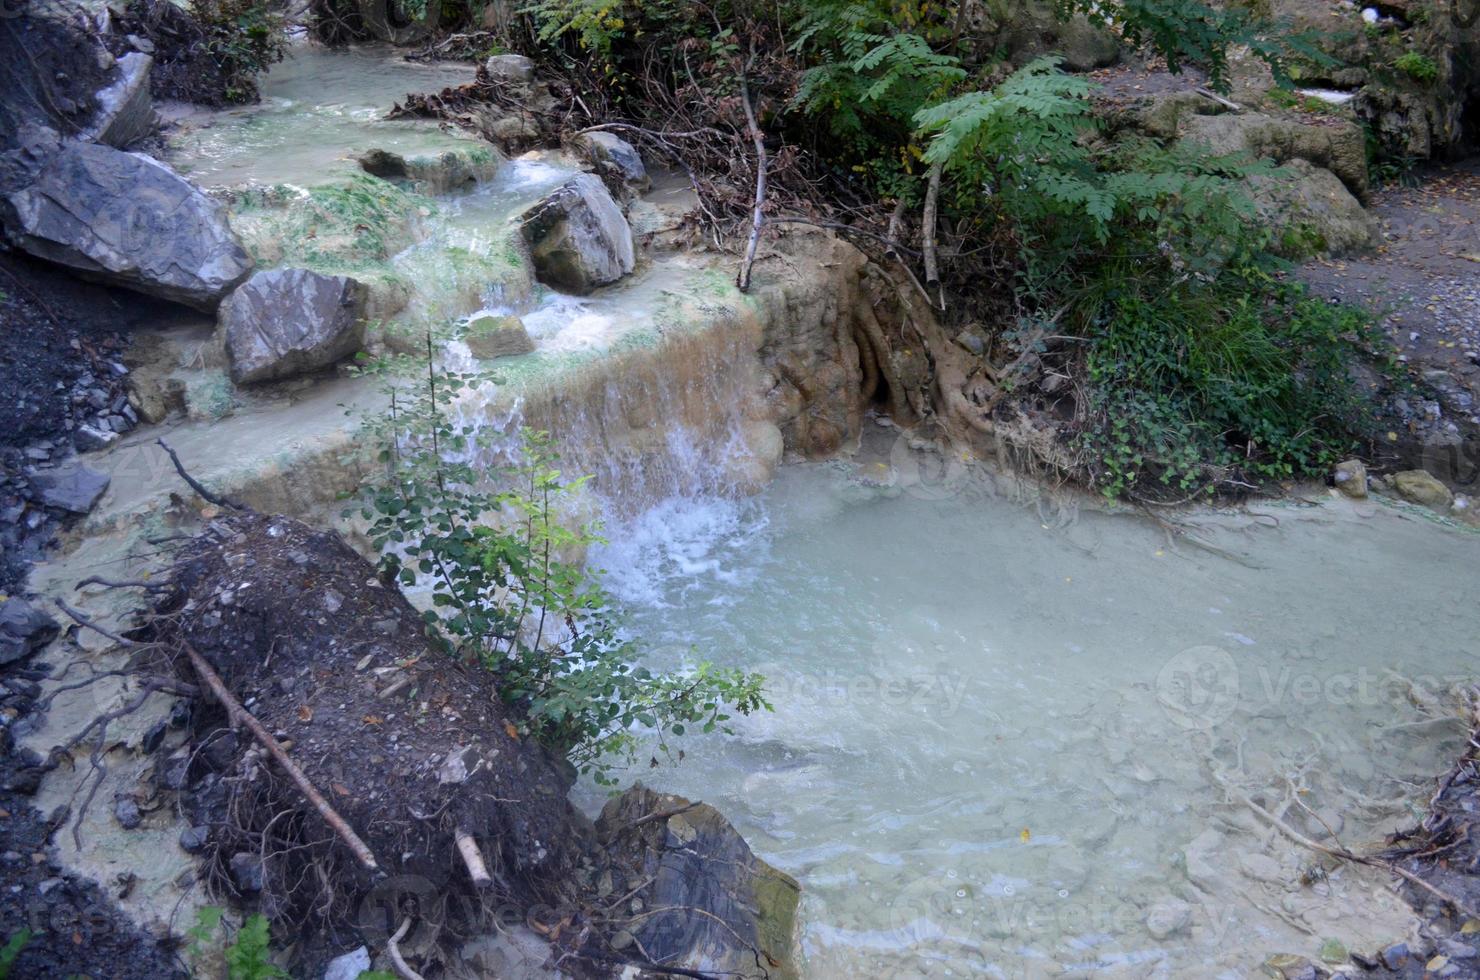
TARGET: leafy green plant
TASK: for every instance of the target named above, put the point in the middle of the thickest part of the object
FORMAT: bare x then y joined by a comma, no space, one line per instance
246,955
1419,67
244,39
509,592
11,951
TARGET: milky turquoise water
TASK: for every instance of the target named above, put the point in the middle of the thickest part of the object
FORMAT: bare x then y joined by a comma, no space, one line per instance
997,721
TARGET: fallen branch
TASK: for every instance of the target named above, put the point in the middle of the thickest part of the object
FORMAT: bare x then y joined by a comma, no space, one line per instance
663,814
1342,853
195,484
758,216
241,716
467,849
896,222
1225,103
892,246
932,200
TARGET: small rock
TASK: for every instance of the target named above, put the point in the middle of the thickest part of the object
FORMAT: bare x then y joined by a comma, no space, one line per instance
1456,950
90,438
126,812
497,336
246,871
1168,918
71,487
510,68
24,629
349,966
972,341
1333,951
1350,477
607,151
1420,487
1394,956
49,885
1287,966
193,839
1261,867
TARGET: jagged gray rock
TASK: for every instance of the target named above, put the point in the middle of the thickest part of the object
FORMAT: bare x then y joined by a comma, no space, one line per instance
24,629
606,150
284,322
125,111
121,218
579,238
71,486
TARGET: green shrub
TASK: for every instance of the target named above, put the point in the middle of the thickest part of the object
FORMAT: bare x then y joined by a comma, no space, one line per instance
509,591
246,955
1417,66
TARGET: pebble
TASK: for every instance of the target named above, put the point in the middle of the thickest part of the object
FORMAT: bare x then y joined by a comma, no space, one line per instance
126,812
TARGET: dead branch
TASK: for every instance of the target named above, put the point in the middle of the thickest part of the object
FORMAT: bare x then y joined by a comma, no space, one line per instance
893,248
896,223
240,716
84,621
467,849
1225,103
664,814
932,200
758,216
195,484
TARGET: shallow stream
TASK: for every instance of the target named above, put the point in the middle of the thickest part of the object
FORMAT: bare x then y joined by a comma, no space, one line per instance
1011,737
998,721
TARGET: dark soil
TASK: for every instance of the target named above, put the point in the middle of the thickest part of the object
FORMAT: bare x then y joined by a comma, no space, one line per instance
339,667
49,70
61,347
76,930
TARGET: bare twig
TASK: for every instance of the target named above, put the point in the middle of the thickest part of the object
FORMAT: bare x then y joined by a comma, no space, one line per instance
932,199
1225,103
241,716
195,484
664,814
758,216
896,223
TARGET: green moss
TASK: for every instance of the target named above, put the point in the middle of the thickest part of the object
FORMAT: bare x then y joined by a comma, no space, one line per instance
1417,66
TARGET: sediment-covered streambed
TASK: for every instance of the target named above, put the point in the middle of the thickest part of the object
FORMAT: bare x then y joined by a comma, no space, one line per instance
1010,737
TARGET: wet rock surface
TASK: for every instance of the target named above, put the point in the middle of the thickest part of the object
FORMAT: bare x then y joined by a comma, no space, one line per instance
286,322
125,219
579,238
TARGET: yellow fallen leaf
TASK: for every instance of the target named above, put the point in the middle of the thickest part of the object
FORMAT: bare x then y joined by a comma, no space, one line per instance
1470,927
1024,835
1437,963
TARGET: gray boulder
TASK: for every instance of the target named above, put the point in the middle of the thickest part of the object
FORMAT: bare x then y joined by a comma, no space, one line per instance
1334,145
514,68
71,486
125,112
489,337
579,238
285,322
24,629
1312,212
126,219
612,153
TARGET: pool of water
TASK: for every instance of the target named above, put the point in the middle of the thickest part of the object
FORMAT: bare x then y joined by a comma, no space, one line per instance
319,109
1016,739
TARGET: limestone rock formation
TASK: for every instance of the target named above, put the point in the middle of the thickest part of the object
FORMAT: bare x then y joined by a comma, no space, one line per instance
514,68
1419,487
1337,146
125,111
284,322
122,218
1350,478
1312,212
732,913
489,337
607,151
579,238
